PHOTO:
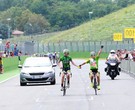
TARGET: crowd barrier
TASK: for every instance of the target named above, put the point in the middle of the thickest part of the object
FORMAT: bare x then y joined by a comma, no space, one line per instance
128,66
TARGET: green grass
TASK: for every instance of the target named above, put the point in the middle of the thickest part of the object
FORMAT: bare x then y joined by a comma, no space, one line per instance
8,74
84,55
11,63
11,67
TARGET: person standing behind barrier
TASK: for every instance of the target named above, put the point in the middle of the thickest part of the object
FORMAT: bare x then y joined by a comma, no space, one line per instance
50,56
57,57
7,47
133,54
19,57
54,57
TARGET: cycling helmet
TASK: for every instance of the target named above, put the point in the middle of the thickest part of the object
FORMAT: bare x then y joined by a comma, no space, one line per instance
112,51
66,51
92,53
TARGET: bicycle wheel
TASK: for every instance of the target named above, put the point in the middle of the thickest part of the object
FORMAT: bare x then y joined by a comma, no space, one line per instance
64,87
95,85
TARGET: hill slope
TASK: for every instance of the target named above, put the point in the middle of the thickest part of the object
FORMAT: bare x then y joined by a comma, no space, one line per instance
98,29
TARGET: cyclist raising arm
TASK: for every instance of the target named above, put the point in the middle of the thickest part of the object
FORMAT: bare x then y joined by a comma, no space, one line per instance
65,66
93,61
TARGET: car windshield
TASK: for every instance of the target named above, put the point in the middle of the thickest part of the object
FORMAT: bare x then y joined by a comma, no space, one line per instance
37,63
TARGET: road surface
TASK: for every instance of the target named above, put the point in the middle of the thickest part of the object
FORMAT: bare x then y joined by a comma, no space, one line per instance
118,94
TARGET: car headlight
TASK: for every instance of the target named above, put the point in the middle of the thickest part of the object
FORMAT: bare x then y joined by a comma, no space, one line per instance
23,73
50,72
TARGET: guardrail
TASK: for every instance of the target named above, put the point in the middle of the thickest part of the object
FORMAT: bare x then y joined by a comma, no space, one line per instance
31,47
128,66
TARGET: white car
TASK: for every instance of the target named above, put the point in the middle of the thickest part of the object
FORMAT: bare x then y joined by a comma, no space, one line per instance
37,70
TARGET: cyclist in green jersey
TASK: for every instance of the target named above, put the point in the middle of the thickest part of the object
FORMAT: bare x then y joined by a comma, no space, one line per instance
93,61
64,64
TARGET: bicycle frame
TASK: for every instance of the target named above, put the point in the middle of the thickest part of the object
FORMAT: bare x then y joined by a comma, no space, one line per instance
65,83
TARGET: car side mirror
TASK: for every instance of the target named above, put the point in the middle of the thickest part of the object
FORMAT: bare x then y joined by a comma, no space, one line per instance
19,66
54,65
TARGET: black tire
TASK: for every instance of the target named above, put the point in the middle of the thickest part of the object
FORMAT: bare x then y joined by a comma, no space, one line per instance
64,88
95,86
23,84
112,75
64,91
95,91
54,82
112,78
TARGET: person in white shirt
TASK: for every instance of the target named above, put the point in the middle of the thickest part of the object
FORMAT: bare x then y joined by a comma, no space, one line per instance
112,57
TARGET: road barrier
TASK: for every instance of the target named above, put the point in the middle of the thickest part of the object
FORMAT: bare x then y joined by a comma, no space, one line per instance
128,66
31,47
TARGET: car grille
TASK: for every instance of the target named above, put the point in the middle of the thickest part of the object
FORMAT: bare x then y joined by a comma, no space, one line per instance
36,73
28,79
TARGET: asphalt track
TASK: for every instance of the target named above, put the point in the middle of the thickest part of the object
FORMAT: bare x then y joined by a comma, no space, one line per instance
118,94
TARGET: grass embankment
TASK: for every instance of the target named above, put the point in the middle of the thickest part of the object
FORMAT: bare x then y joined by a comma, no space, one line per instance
10,67
84,55
99,29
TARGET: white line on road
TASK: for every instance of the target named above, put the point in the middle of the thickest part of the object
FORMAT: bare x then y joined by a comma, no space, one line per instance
8,79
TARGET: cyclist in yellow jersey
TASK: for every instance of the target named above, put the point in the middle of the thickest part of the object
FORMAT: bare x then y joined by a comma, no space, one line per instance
93,61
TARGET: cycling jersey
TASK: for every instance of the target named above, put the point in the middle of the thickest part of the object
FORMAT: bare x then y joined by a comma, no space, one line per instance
66,62
93,63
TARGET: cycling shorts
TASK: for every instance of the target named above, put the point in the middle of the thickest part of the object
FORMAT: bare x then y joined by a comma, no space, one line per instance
94,70
66,70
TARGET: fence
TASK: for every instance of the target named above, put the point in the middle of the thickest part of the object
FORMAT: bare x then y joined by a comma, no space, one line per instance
128,66
35,47
88,46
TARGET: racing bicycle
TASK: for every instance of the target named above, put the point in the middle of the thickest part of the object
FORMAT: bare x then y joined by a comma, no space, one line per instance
65,86
95,84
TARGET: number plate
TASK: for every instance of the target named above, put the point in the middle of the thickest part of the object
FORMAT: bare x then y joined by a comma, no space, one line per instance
37,77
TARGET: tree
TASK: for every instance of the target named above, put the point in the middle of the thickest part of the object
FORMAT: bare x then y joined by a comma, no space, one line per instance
123,3
3,31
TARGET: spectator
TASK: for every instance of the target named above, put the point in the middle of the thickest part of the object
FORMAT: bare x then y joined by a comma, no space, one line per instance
1,65
54,57
4,54
19,57
11,54
57,57
133,54
123,54
7,47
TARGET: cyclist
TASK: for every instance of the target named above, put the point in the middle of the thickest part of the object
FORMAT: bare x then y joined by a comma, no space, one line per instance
93,61
65,66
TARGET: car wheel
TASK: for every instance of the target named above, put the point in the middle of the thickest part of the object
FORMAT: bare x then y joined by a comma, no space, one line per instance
22,84
54,82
